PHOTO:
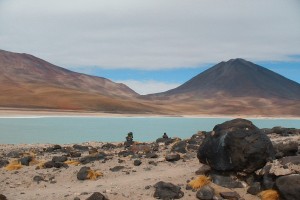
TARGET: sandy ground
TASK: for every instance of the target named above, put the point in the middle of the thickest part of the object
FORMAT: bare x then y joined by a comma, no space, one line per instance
129,183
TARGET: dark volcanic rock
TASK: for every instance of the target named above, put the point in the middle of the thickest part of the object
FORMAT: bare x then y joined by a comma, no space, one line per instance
167,141
55,147
285,131
91,158
80,147
268,181
203,170
236,145
14,154
290,159
97,196
26,160
125,153
38,179
230,195
3,163
179,147
254,189
49,164
137,162
2,197
83,173
225,181
172,157
151,155
289,187
283,149
108,146
59,159
206,193
167,191
74,154
116,168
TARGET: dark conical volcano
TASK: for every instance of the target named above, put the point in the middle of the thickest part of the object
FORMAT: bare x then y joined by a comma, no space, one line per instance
237,78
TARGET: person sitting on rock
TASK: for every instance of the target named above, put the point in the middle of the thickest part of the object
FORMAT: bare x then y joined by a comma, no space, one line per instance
165,136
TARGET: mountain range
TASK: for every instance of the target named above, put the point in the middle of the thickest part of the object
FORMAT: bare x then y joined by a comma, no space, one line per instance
233,87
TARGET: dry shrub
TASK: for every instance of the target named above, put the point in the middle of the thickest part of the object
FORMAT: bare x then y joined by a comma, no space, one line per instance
93,175
13,165
199,182
72,162
269,195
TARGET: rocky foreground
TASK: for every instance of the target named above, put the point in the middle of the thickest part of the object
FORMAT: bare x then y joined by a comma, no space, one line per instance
237,161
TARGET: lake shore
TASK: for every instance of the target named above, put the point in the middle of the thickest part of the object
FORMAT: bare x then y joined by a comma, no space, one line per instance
20,113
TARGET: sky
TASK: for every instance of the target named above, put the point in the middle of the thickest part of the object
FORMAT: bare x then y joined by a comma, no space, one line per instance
154,45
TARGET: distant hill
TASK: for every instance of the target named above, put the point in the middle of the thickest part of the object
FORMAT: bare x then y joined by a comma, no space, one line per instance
237,78
235,87
30,82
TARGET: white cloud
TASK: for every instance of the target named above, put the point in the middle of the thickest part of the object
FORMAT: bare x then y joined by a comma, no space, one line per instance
150,34
149,86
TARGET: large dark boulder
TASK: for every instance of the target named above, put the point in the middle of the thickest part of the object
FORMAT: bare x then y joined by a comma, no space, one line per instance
3,163
83,173
236,145
205,193
179,147
289,187
167,191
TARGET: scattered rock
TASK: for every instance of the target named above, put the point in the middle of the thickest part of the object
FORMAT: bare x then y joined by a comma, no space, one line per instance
2,197
59,159
295,160
285,148
137,162
13,154
179,147
108,146
92,158
80,147
49,164
230,195
166,141
3,163
289,187
226,181
268,181
236,145
83,173
38,179
172,157
164,190
151,155
97,196
125,153
206,193
74,154
254,189
203,170
26,160
55,147
116,168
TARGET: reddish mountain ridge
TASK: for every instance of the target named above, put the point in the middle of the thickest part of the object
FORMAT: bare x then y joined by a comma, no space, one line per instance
30,82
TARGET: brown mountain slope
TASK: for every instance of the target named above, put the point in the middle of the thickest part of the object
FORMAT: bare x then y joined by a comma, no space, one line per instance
234,87
29,82
237,78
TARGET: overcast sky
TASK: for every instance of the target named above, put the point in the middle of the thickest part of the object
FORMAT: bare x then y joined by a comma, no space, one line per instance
151,35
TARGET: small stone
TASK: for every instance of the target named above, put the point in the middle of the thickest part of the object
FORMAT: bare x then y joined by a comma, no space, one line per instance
83,173
203,170
38,179
116,168
172,157
137,162
205,193
254,189
97,196
230,195
2,197
59,159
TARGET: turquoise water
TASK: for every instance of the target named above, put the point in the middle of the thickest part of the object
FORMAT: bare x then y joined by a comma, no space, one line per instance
63,130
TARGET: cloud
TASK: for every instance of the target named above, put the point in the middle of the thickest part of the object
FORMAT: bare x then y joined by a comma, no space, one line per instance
149,86
151,34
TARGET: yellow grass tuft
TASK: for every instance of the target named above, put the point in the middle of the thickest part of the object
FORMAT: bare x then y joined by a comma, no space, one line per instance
72,162
93,175
269,195
14,165
199,182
